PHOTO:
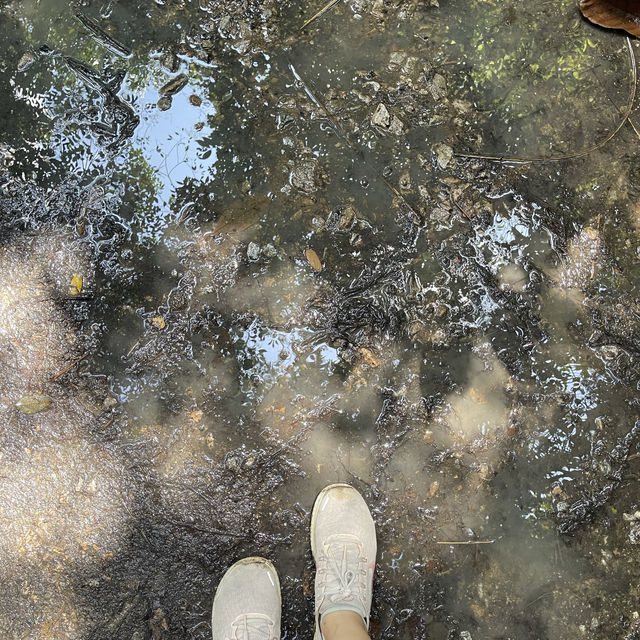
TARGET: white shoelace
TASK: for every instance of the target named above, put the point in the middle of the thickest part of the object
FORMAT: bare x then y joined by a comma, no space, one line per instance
343,568
252,626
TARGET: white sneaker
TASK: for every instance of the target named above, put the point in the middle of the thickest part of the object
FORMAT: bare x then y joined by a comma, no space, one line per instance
247,604
343,543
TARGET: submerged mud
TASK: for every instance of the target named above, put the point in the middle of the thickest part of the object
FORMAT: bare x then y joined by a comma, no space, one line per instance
240,261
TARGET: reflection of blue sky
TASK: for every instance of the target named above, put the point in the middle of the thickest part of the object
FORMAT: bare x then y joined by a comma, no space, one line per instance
171,145
580,385
266,354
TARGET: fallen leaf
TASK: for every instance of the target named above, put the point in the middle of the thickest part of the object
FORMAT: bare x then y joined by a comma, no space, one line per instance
433,488
196,415
314,259
76,285
613,14
33,403
369,357
158,322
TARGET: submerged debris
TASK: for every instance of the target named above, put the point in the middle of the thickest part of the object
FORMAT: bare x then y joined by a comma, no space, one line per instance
585,508
174,85
33,403
101,36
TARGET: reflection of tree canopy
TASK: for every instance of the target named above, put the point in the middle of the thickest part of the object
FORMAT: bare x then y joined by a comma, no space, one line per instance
68,109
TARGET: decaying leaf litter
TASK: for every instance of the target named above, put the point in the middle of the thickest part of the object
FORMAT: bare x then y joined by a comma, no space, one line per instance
466,355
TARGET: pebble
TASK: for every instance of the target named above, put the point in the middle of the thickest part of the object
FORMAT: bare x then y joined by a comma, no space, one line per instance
347,217
444,155
381,117
164,104
26,60
253,252
269,251
438,87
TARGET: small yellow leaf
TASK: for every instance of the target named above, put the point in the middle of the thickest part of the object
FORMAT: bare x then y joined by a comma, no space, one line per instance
314,259
158,322
76,285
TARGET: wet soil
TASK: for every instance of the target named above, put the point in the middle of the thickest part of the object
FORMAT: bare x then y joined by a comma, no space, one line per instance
240,260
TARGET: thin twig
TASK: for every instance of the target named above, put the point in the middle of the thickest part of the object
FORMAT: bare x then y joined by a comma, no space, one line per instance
71,366
615,106
577,154
215,532
322,11
466,542
544,595
342,133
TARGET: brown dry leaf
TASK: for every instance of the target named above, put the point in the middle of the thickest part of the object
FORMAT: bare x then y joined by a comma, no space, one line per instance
433,488
314,259
613,14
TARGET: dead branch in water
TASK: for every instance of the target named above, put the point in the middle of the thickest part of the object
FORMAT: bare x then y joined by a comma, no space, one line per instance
322,11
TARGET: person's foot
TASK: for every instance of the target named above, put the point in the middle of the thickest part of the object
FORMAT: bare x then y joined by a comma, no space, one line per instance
343,543
247,603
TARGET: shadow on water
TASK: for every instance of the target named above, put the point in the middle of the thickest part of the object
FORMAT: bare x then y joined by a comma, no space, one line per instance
181,375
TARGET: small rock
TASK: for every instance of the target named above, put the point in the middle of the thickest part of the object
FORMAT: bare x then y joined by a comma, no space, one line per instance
634,534
465,635
381,117
485,471
444,154
164,104
109,403
438,87
347,216
253,252
233,463
196,101
269,251
304,177
170,61
631,517
397,126
397,57
26,60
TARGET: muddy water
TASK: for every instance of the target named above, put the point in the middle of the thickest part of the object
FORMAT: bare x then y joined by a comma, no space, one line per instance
180,375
